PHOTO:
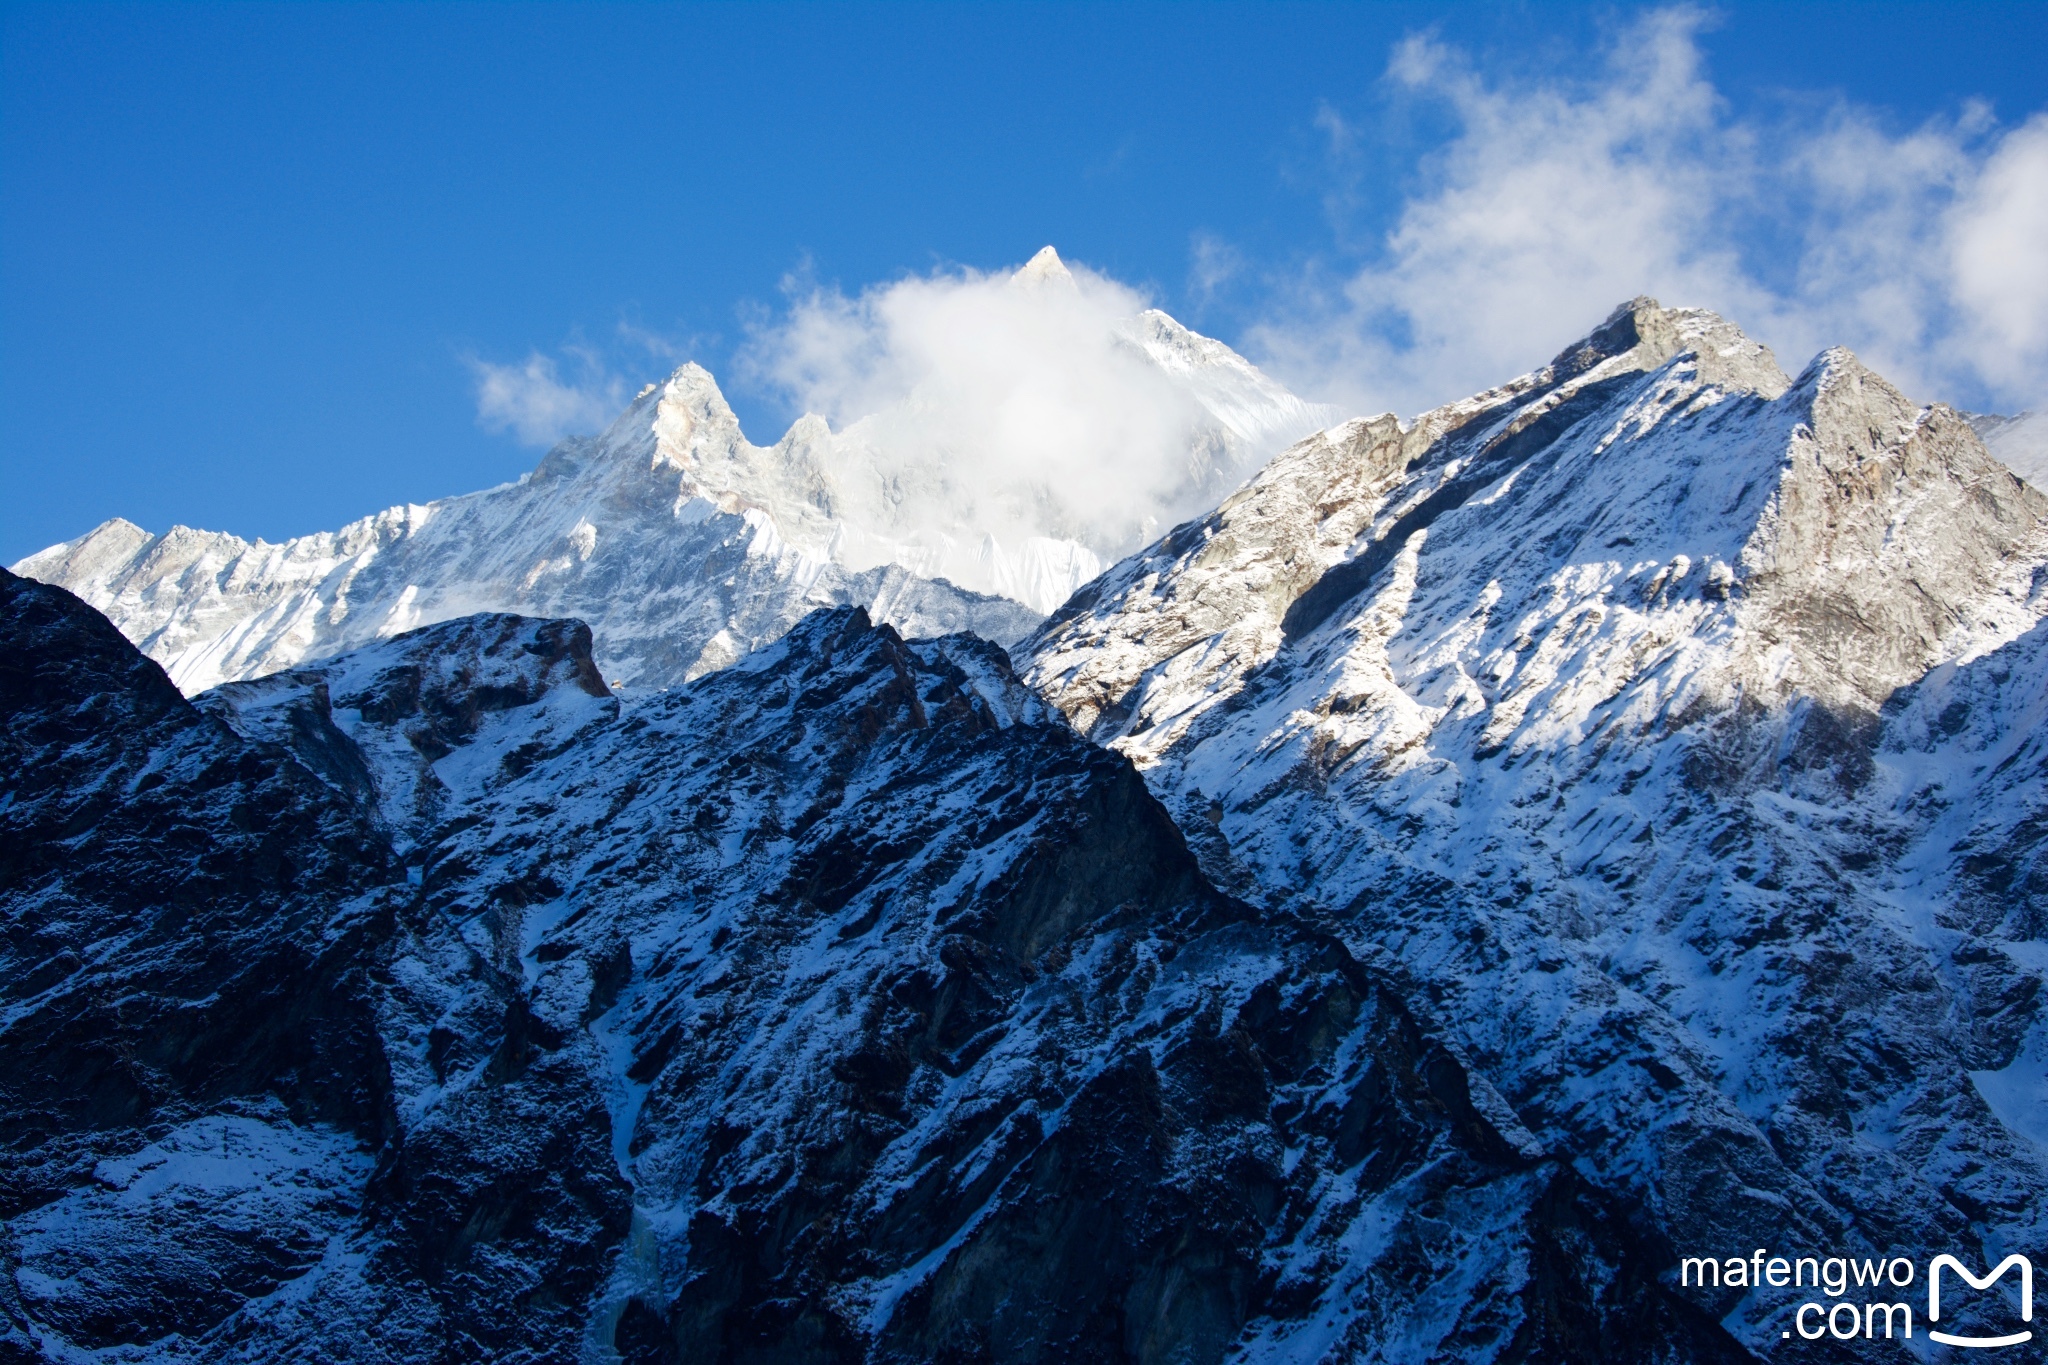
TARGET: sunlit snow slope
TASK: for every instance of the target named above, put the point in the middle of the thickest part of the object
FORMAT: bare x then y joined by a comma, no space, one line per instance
2020,441
1678,725
682,544
1599,821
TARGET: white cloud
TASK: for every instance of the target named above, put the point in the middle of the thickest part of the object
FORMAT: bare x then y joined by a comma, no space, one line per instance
1559,198
1212,264
1998,242
532,401
1003,402
1015,407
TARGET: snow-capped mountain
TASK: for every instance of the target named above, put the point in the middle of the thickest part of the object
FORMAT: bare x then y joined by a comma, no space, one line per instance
682,544
1678,725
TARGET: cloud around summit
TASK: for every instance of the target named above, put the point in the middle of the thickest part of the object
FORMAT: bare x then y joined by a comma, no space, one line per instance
1013,397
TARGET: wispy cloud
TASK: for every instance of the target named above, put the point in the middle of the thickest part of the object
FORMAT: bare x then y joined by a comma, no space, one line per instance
1212,264
533,402
1926,250
1999,260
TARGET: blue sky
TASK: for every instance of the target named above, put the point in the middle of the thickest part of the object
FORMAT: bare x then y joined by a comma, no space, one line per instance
255,260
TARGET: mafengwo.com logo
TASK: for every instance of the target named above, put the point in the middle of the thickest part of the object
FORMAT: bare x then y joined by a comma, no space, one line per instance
1865,1299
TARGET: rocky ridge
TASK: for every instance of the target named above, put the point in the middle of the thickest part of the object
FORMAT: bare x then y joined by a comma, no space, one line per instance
1591,823
185,921
1608,704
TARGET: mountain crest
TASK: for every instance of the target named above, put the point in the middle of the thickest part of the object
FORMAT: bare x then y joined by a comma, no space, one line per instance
1650,706
1044,269
1643,334
683,543
1604,815
1640,481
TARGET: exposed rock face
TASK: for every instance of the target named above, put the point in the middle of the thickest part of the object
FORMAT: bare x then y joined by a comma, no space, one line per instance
843,1005
376,722
184,1000
1610,703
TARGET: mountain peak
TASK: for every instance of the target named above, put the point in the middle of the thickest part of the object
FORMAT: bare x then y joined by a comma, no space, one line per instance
674,535
1648,334
1630,680
1043,269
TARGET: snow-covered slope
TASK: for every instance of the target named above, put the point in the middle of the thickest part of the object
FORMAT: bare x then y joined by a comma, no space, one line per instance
1677,725
377,722
682,544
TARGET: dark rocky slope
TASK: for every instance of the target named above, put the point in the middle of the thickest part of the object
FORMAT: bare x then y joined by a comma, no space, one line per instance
840,1006
187,924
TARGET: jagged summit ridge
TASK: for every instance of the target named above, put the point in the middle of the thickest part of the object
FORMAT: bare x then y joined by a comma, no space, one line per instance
1684,487
681,542
1598,821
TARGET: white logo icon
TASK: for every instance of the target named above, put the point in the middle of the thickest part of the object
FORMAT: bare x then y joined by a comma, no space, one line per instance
2026,1269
